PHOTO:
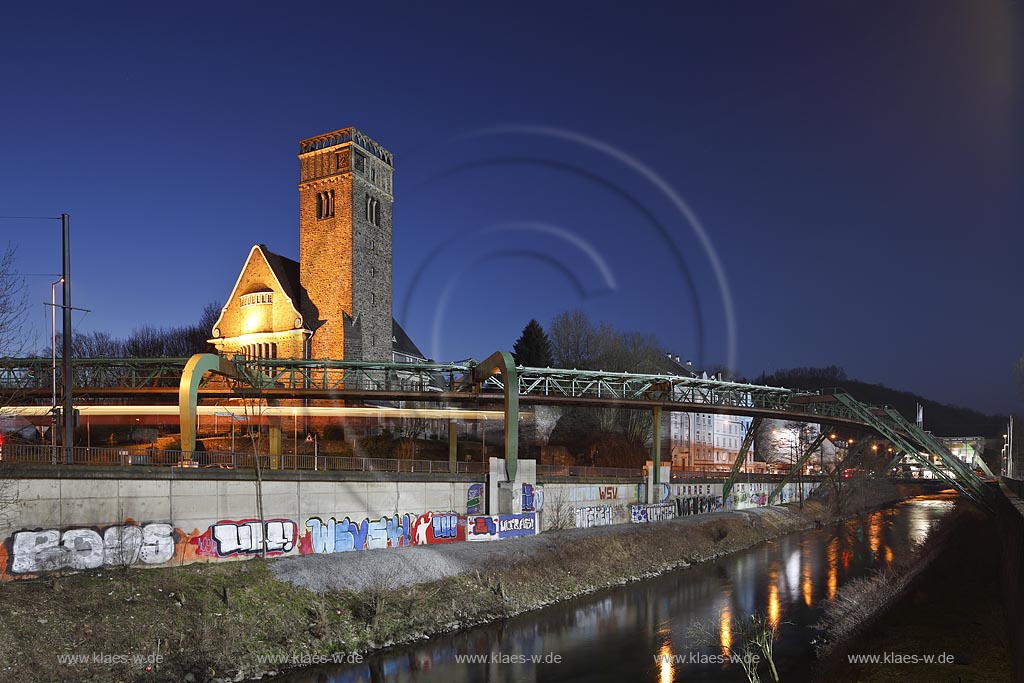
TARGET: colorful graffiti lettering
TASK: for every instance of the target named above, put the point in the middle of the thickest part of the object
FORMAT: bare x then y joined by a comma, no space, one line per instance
490,527
246,537
33,552
527,498
482,528
438,527
595,515
655,512
474,499
332,536
511,526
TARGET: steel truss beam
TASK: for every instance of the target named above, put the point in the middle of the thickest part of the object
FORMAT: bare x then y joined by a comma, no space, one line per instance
798,465
895,428
741,457
934,445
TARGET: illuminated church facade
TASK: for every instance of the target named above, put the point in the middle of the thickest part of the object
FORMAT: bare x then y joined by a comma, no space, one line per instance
335,301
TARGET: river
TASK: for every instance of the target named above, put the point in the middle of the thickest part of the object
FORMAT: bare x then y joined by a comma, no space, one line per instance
646,631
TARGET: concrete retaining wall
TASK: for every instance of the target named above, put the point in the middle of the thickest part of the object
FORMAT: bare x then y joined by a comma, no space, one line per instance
1010,514
72,518
79,518
582,504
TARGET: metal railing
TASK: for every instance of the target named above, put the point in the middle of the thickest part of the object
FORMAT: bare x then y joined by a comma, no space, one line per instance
584,471
152,457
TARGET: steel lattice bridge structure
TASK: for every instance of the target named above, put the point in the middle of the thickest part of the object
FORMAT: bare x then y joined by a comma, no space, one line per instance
496,380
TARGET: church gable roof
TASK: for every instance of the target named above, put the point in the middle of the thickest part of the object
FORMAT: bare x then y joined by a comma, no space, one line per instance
282,269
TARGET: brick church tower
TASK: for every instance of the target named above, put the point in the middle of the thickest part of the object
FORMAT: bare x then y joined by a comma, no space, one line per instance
345,208
335,301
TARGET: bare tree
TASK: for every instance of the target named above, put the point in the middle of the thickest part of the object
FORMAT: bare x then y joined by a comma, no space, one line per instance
573,340
254,404
752,641
408,431
13,306
13,333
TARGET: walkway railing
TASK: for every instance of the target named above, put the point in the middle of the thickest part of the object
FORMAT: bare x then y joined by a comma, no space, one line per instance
582,471
48,455
153,457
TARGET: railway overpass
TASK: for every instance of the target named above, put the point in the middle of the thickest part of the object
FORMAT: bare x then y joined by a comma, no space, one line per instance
495,383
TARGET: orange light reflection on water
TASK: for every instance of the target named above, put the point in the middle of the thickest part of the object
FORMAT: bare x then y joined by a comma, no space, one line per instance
833,567
774,607
667,673
725,627
806,584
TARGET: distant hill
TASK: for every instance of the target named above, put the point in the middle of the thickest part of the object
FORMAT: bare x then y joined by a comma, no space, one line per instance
939,418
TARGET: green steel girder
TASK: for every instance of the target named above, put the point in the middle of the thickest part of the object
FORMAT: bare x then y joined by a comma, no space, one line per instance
741,457
19,374
798,464
934,445
501,362
925,440
971,487
332,375
851,456
188,393
656,445
853,453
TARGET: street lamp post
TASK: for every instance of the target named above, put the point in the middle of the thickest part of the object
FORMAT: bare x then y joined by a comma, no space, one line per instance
53,353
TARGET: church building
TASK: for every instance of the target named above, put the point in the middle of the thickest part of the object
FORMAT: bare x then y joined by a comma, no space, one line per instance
335,301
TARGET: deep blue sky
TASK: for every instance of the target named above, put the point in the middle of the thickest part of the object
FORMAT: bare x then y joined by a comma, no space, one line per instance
858,169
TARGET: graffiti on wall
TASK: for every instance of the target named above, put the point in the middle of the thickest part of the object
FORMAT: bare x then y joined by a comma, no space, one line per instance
586,494
338,536
527,498
482,528
655,512
438,527
661,492
492,527
698,505
46,550
511,526
246,537
334,536
475,499
594,515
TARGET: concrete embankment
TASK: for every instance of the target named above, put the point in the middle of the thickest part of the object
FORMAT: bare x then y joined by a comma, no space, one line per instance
1010,524
231,620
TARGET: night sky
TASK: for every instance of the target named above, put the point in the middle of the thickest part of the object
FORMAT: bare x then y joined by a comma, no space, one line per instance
815,184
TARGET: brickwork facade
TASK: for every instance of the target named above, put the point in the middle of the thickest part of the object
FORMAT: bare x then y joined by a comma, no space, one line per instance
336,301
260,319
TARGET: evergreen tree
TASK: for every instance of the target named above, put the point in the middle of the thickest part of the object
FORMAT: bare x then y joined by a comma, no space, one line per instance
533,349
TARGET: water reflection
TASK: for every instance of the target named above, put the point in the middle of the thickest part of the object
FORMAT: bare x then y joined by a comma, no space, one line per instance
622,633
725,624
665,655
806,584
774,608
833,567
